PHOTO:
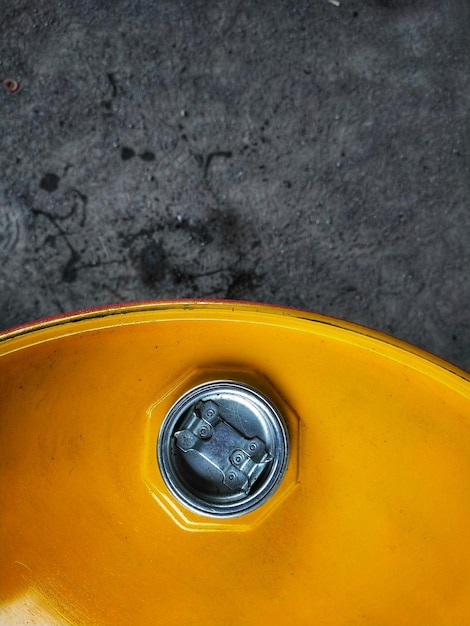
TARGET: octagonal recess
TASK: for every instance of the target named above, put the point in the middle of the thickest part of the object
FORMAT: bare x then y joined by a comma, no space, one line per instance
215,482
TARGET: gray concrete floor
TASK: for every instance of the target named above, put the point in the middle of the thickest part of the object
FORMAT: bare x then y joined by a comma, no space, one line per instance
299,153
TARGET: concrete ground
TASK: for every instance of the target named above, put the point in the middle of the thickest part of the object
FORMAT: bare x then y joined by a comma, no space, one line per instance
293,152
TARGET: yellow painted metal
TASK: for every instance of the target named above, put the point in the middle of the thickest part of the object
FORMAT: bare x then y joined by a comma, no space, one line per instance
373,529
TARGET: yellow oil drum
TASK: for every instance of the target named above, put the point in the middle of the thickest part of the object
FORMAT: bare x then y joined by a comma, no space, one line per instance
230,464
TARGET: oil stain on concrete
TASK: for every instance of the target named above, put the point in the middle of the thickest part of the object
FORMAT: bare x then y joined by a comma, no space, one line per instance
299,153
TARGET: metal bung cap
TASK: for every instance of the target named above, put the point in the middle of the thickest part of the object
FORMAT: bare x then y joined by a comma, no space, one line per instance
222,449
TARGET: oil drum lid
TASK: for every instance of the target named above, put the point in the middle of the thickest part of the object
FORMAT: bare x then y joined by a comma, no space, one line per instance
221,463
223,449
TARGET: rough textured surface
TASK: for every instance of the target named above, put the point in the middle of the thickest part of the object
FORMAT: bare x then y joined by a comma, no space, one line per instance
298,153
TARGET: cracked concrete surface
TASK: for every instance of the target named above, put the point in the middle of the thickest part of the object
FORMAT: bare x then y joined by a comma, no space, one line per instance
298,153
